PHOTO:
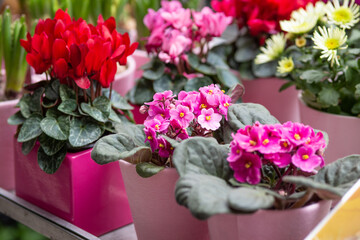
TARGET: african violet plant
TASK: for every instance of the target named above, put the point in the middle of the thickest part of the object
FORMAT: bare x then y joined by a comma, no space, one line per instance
74,107
266,166
254,21
150,146
179,49
320,56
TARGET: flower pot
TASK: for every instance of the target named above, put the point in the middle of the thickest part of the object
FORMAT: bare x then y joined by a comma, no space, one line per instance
86,194
154,209
7,178
125,80
293,224
265,91
342,130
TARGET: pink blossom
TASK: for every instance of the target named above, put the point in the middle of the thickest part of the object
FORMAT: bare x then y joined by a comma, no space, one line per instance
224,104
209,119
179,18
158,124
306,159
183,115
151,138
247,168
297,133
249,138
212,94
166,95
170,6
174,45
179,131
153,19
279,159
235,150
165,148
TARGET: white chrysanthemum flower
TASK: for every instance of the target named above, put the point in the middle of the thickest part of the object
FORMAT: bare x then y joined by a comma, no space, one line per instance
345,16
274,48
285,65
299,26
329,41
317,11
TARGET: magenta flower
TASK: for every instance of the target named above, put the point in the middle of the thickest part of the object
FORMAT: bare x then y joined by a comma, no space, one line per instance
153,20
297,133
235,151
158,124
151,138
174,45
279,159
249,138
183,115
179,131
247,168
224,104
269,140
179,18
211,93
306,159
165,148
163,96
209,119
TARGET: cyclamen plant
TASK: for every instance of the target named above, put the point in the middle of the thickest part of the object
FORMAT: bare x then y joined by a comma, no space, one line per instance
72,108
179,47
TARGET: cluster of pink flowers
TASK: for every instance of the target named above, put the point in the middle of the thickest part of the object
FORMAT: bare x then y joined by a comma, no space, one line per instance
175,31
192,114
74,50
286,145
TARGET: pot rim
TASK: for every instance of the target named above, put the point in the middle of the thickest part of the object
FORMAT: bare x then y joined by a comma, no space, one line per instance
166,169
130,68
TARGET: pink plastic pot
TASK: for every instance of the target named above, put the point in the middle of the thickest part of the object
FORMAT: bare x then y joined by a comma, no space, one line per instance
125,80
7,178
293,224
156,214
283,105
343,131
86,194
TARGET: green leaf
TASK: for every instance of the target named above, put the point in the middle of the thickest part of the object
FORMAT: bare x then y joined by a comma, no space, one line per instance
202,156
69,106
311,76
157,70
216,61
52,112
357,90
52,90
28,146
226,77
286,85
179,83
84,131
66,92
328,97
250,200
99,110
16,119
355,36
163,84
142,92
119,146
50,164
242,114
117,101
134,131
196,83
31,128
146,169
203,68
236,92
246,51
24,104
114,117
56,128
351,74
265,70
356,108
50,145
35,103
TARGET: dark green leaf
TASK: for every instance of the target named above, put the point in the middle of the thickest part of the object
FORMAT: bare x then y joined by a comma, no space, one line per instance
53,113
26,147
46,103
351,74
196,83
50,164
142,92
203,68
24,105
311,76
66,92
163,84
328,97
50,145
134,131
16,119
286,85
119,146
35,103
117,101
155,72
146,169
52,90
56,128
31,128
249,200
84,131
114,117
357,90
69,106
265,70
226,77
216,61
179,84
246,51
99,110
356,109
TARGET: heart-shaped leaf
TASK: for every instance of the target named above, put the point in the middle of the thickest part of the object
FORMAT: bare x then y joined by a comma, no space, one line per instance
203,68
50,145
31,128
226,77
52,90
119,146
84,131
56,128
162,84
35,103
142,92
156,71
117,101
99,110
196,83
68,106
249,200
66,92
114,117
50,164
134,131
26,147
16,119
24,105
146,169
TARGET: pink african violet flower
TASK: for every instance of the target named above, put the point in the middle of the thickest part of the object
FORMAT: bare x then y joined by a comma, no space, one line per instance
211,93
183,115
297,133
151,138
166,95
247,168
306,159
165,148
209,119
250,138
180,132
158,110
279,159
224,104
158,124
235,150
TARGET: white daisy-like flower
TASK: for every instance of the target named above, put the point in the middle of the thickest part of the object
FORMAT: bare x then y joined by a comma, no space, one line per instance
317,11
299,26
274,48
329,41
285,65
345,15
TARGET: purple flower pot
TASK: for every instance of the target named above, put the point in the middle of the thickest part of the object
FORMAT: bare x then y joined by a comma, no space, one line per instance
294,224
86,194
265,91
156,214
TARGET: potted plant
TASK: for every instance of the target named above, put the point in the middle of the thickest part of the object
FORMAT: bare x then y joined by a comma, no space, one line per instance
146,158
264,184
321,60
254,22
11,84
180,55
61,117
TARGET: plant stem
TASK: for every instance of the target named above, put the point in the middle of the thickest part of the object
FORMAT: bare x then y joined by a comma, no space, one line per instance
111,85
92,90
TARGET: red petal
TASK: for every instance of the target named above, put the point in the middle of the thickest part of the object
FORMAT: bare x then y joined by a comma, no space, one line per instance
110,23
60,14
75,55
83,82
61,68
117,54
107,74
60,50
59,28
132,48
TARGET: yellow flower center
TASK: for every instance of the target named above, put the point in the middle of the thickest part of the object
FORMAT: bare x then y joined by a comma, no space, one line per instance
171,148
305,157
297,136
332,43
226,105
266,141
149,137
210,92
248,164
203,105
343,15
300,42
208,118
161,145
223,91
157,127
238,151
252,143
182,115
285,144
